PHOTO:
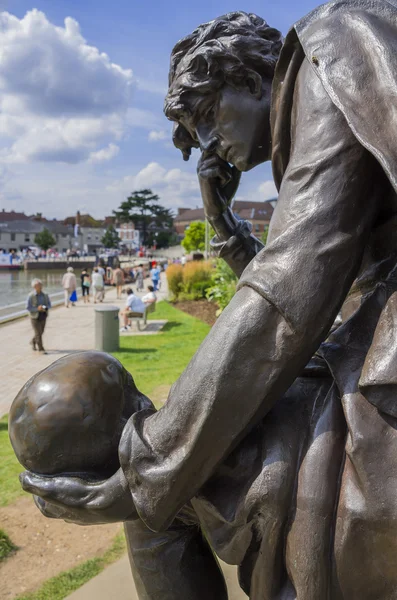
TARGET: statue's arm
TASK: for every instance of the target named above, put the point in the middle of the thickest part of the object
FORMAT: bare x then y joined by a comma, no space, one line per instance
234,242
240,246
287,300
174,564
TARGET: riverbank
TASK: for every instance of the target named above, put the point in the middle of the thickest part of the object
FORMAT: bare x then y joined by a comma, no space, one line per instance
49,265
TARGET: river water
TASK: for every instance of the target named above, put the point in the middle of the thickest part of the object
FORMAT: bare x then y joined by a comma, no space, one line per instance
16,285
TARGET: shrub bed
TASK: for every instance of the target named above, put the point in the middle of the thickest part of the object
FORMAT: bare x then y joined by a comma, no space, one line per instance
190,282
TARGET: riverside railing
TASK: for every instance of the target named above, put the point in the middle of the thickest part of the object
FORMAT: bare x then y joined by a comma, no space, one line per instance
17,310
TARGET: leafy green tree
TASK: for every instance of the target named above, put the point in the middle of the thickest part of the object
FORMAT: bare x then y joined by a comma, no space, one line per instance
111,238
141,208
163,217
163,239
194,237
163,235
44,239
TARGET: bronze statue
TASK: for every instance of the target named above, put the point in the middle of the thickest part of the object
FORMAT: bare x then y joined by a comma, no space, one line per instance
280,438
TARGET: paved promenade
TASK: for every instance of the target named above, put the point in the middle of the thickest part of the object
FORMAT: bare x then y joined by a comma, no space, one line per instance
116,582
67,330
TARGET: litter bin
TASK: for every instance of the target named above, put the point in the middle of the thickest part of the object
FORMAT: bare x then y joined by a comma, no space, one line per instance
107,328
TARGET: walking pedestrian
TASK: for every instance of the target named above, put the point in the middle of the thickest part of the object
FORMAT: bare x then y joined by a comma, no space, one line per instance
155,276
101,269
85,285
140,275
69,285
118,281
98,285
38,305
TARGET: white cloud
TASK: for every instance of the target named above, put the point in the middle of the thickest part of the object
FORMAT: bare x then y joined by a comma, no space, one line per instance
105,154
158,136
137,117
267,190
175,187
152,87
61,99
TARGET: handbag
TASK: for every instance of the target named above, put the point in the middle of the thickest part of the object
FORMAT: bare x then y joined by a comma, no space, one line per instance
73,296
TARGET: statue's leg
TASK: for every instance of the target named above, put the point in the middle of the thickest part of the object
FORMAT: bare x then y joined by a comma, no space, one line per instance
270,507
300,488
173,565
366,530
311,534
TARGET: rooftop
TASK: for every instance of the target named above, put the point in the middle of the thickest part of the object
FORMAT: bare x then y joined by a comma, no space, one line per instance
244,209
6,216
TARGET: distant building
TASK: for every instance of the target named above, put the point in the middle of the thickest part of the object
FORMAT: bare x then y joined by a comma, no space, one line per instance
6,217
258,213
20,234
87,233
129,235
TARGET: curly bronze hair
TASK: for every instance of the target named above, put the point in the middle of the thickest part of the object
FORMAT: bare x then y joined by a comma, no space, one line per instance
225,50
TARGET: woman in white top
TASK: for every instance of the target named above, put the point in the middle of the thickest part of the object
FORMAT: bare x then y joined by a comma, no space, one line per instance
98,285
69,285
151,297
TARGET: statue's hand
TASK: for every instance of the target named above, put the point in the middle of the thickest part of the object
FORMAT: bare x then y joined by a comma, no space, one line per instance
218,184
83,502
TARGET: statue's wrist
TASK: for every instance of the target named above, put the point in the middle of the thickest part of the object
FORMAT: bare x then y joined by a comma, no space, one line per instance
225,224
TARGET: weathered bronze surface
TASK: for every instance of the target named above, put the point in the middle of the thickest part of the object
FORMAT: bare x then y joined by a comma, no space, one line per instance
279,439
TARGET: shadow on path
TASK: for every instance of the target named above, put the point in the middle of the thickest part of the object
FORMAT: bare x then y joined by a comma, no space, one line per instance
170,325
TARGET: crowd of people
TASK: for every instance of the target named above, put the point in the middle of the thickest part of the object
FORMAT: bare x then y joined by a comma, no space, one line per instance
92,285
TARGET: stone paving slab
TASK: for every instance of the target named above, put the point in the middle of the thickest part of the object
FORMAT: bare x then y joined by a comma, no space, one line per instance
152,327
116,582
68,330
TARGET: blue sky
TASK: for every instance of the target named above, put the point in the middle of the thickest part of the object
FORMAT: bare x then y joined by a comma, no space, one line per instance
79,130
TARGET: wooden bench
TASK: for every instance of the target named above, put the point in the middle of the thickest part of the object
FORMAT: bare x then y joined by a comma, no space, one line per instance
138,317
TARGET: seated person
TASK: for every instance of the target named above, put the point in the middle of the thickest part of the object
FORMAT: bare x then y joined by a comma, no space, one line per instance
134,307
151,297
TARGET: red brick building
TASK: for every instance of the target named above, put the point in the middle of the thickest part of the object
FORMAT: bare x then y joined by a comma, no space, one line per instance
258,213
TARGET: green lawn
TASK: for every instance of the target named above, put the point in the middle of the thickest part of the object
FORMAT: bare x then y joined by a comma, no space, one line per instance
155,362
6,545
9,468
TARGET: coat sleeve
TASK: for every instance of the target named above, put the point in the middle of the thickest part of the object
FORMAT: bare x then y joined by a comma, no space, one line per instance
288,298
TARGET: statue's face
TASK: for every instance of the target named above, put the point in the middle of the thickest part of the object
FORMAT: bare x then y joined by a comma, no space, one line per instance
237,126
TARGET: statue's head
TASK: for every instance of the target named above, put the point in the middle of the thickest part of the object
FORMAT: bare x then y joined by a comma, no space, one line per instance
220,89
69,417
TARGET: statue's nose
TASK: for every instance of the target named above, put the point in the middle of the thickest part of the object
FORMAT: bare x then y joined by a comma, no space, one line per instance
210,145
207,145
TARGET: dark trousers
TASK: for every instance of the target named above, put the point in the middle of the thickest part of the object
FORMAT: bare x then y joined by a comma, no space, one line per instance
38,328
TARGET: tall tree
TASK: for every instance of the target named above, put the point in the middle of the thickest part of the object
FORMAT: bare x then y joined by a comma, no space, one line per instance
140,208
111,238
44,239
